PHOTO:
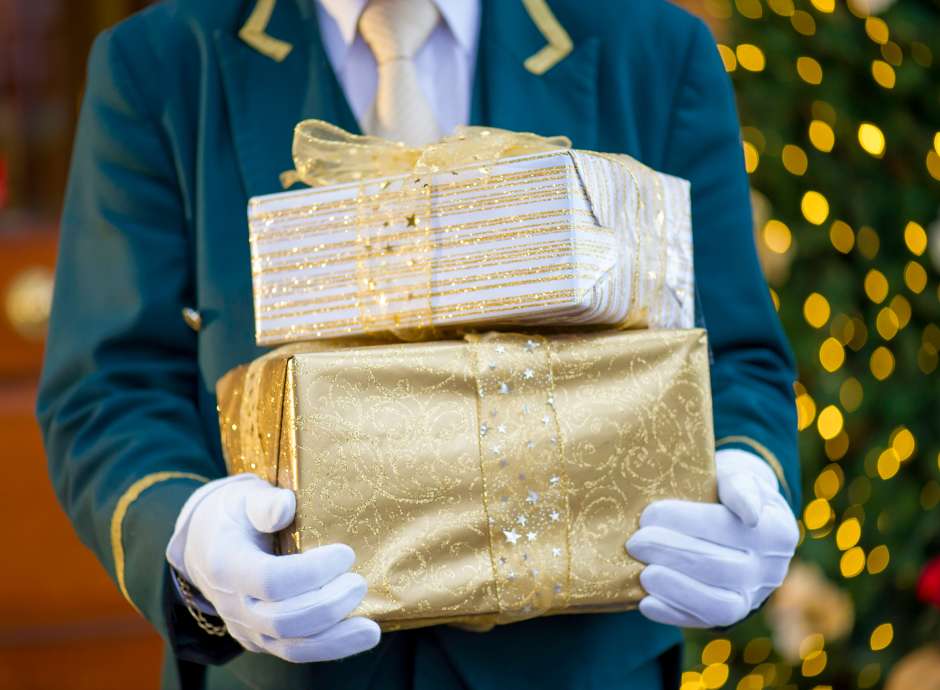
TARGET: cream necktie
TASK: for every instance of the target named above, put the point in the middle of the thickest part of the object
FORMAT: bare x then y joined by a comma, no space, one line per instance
395,30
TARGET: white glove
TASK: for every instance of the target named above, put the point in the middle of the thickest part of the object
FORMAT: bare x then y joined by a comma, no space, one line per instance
293,606
710,564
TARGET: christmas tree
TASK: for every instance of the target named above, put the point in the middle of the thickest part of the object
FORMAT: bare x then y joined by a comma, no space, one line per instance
840,114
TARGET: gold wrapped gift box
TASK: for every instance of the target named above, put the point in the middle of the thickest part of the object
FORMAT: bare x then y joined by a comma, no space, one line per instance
480,481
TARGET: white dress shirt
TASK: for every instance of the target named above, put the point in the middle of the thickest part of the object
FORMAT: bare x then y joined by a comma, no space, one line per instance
445,63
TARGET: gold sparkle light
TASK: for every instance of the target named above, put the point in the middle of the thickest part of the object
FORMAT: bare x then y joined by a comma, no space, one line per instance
815,207
871,139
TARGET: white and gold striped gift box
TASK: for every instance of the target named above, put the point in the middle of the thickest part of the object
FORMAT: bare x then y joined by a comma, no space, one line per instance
551,239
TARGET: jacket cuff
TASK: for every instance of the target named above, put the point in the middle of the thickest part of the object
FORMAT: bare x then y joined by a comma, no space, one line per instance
760,450
141,527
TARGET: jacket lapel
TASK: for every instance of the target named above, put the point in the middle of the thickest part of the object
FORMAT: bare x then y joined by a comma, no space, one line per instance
267,98
563,100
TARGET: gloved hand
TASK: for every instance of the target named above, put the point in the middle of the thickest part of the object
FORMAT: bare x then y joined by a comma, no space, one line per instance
292,606
710,564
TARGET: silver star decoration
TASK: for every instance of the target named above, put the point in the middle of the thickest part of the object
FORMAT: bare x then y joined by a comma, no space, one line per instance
497,449
522,476
527,609
500,350
554,516
525,408
546,420
556,552
534,572
557,589
554,481
503,462
504,499
511,575
503,388
531,345
551,401
492,365
531,536
484,427
501,428
512,536
502,560
533,498
530,445
554,440
521,520
528,374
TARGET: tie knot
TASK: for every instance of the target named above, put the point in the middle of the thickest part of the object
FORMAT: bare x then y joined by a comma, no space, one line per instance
396,29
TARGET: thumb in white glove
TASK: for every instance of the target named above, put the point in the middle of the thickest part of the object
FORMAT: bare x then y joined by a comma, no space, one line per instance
294,606
710,564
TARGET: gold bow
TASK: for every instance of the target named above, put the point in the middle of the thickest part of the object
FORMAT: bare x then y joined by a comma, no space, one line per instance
325,154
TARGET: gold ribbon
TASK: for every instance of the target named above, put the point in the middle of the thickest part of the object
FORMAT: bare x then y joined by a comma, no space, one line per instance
523,467
325,154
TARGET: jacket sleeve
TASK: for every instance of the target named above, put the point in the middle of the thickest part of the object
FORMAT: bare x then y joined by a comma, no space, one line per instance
117,395
753,369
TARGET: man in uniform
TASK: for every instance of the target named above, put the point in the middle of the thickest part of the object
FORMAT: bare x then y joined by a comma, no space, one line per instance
189,111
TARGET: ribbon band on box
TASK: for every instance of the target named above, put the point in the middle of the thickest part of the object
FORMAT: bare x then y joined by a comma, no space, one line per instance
526,505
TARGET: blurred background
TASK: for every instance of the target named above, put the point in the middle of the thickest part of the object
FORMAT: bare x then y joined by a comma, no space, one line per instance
840,114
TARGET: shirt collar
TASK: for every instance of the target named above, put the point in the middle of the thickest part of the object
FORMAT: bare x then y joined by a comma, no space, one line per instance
462,18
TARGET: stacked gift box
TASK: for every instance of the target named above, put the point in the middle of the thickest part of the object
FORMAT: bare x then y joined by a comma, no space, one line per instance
486,369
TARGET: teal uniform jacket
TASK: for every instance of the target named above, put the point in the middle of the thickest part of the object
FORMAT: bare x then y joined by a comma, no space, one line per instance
185,117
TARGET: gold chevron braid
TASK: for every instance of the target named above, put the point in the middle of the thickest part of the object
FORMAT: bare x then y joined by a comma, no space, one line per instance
267,200
343,253
449,271
386,196
386,205
124,503
254,33
764,452
402,232
405,295
310,231
444,239
496,307
559,42
354,256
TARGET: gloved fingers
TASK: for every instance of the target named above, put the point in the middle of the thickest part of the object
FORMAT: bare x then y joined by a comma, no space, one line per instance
351,636
711,522
269,508
742,495
260,575
761,595
244,636
712,605
705,561
737,461
310,613
659,611
780,533
773,571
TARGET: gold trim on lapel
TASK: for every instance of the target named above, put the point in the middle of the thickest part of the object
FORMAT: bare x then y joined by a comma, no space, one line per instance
265,99
559,42
254,32
120,511
564,100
